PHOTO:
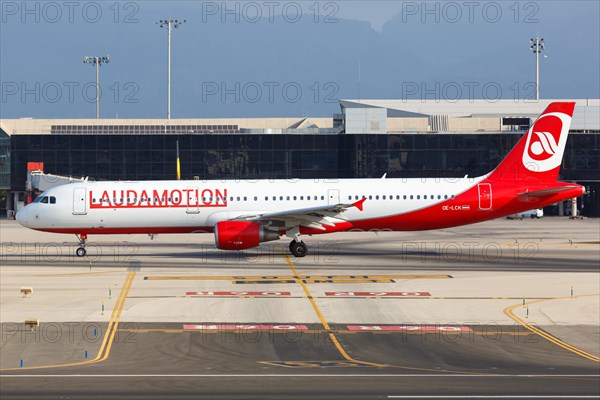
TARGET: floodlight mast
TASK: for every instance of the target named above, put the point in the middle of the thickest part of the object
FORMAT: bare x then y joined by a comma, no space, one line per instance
537,45
97,61
169,23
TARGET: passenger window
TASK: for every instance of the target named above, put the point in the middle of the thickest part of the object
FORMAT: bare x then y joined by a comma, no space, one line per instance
52,200
418,197
45,199
266,198
280,198
255,198
425,197
411,196
288,197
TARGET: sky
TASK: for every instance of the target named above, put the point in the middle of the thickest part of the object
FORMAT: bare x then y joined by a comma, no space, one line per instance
287,58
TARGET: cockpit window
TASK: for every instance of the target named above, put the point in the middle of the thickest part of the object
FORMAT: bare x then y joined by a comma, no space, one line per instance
37,199
45,199
52,200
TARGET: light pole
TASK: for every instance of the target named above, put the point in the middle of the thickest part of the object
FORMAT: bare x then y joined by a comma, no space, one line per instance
97,61
169,23
537,45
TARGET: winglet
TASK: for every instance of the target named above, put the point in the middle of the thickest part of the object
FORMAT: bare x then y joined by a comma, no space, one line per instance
359,203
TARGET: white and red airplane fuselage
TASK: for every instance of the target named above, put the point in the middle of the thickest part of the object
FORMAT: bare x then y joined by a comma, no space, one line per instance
242,214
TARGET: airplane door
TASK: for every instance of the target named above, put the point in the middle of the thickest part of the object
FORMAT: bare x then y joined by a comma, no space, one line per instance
193,200
79,207
333,197
485,196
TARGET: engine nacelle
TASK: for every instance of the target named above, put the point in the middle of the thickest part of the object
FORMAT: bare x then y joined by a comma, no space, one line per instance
240,235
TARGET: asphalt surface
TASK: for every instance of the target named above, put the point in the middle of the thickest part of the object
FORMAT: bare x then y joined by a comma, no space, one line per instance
159,338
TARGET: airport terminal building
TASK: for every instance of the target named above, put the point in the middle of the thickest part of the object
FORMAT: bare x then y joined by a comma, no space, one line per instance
369,138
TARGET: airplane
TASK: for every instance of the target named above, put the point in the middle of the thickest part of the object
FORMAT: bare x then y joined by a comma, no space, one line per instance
243,214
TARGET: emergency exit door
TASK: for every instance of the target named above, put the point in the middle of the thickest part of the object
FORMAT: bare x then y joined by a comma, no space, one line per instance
333,197
193,200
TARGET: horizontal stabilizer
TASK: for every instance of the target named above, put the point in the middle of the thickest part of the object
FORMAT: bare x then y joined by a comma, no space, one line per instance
548,192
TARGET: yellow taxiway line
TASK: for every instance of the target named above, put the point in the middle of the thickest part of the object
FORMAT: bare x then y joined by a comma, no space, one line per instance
509,312
326,326
109,336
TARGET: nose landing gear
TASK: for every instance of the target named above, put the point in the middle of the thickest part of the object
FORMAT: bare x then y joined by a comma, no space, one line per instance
81,252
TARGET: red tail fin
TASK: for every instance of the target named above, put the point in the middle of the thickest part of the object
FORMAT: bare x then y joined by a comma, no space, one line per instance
538,155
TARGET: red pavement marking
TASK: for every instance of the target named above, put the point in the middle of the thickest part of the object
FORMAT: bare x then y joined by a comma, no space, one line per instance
378,294
237,327
410,328
233,293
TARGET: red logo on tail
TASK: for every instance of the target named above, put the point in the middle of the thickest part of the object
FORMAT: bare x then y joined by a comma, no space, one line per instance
544,140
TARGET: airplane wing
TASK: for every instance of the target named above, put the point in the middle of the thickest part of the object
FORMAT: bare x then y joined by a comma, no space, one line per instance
312,217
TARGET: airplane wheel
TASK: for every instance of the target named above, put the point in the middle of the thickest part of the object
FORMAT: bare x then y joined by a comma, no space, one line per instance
80,252
298,249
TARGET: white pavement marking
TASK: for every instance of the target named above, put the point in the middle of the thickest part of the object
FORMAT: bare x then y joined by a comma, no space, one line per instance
495,397
449,375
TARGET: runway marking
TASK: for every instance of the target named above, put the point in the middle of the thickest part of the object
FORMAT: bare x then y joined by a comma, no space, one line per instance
495,397
292,279
378,294
371,375
374,296
509,312
410,328
334,339
80,273
316,331
119,309
245,327
237,294
109,335
332,336
315,364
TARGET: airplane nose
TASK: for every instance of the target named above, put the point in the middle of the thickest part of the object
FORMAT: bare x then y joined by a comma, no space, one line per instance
22,216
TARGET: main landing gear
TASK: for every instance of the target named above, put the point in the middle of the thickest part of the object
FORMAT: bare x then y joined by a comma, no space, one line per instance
297,246
80,252
298,249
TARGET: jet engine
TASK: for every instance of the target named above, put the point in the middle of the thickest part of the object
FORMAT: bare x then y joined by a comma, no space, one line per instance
240,235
